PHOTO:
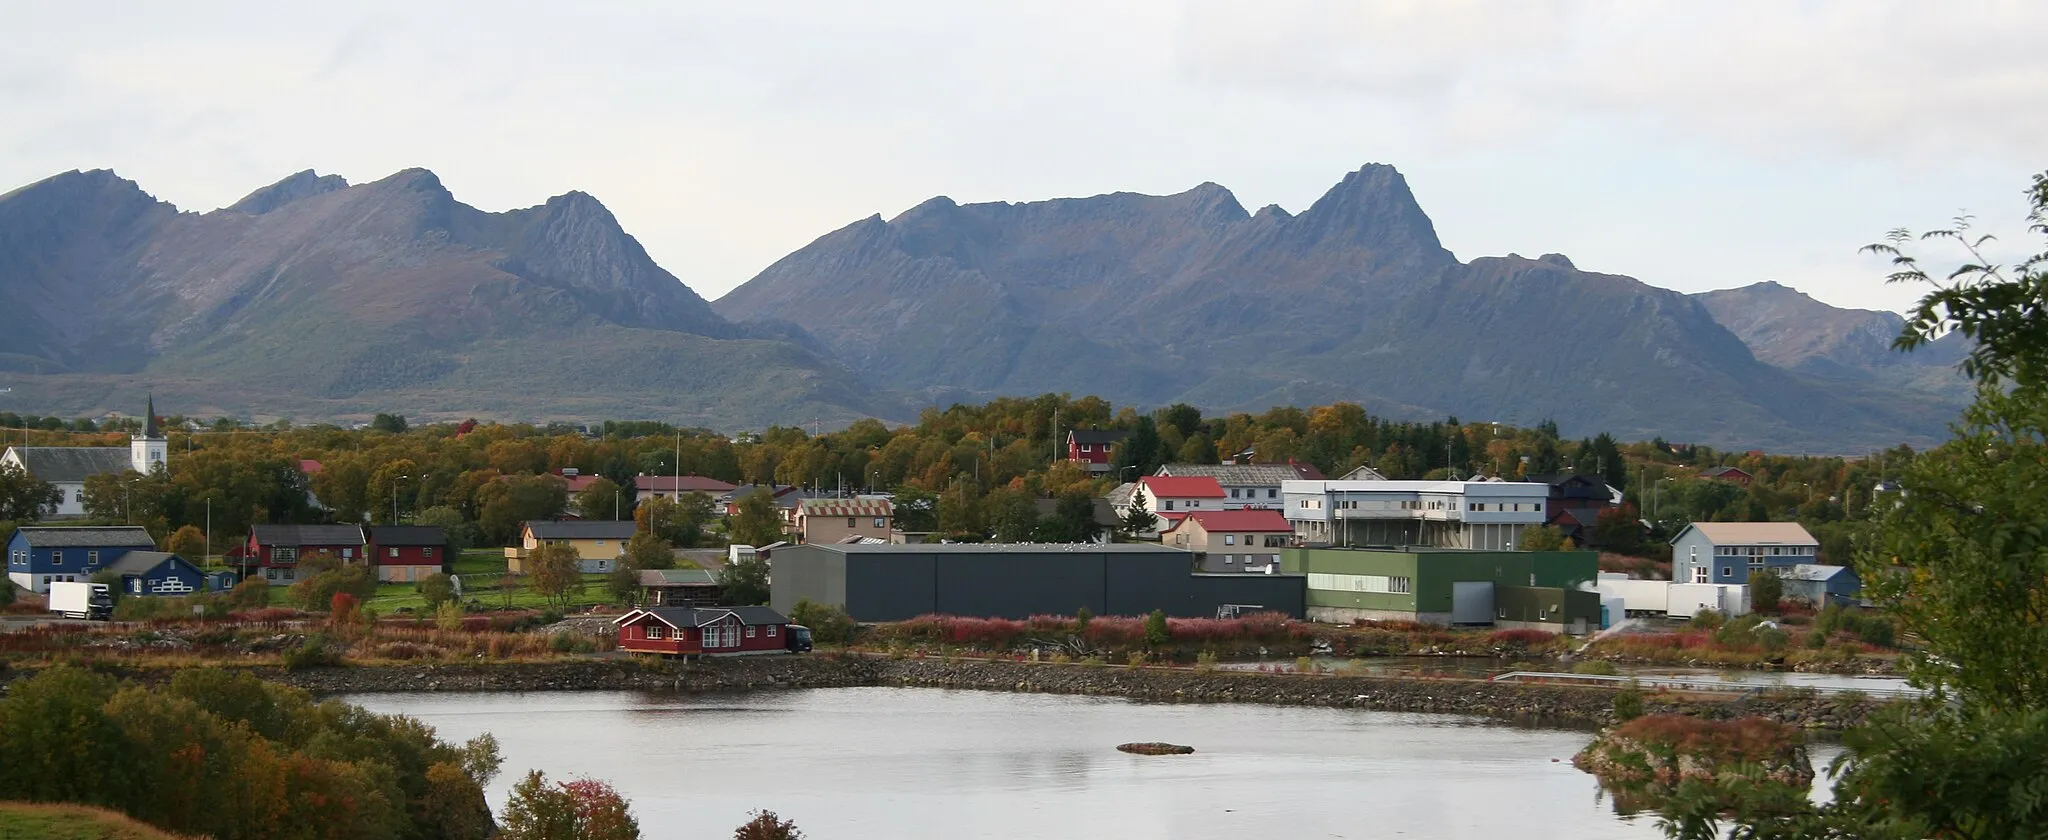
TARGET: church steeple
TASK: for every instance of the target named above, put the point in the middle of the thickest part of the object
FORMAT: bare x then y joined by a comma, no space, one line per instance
147,451
149,429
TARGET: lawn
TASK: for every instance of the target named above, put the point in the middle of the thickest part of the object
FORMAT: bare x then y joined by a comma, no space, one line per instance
39,821
484,589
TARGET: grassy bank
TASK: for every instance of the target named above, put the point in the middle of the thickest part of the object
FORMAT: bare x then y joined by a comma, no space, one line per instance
42,821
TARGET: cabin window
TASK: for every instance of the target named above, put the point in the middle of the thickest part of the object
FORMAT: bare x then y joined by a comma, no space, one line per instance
1272,493
427,552
881,522
1230,539
750,632
391,552
654,631
56,558
92,558
771,631
850,522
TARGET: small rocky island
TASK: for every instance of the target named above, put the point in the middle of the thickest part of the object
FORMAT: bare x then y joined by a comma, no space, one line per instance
1155,748
1644,759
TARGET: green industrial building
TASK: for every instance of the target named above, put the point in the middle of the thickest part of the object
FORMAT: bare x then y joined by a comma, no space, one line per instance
1538,589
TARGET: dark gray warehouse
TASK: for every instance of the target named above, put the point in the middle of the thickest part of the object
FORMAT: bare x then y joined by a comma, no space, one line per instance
896,582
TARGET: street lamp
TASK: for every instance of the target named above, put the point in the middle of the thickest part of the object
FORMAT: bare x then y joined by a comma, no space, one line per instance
394,496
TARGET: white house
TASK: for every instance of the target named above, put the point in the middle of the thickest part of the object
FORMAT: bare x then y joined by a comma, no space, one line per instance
67,467
1486,515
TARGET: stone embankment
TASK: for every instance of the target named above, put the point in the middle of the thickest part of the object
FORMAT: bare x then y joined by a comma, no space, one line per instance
1559,705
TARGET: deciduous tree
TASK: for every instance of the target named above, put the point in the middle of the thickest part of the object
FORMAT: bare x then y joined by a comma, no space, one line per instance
603,499
556,572
187,542
757,521
745,583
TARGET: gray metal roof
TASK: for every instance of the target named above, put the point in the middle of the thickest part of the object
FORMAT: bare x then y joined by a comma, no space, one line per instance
1001,548
95,536
1094,436
140,562
697,616
1244,475
73,463
677,577
584,529
292,535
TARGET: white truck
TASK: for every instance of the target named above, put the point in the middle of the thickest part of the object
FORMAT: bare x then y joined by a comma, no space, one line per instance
82,600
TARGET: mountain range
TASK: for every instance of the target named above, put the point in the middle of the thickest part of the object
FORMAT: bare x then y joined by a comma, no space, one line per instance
316,299
1189,297
311,298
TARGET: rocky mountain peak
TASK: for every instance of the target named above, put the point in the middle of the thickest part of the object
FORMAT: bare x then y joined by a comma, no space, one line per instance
1373,207
295,187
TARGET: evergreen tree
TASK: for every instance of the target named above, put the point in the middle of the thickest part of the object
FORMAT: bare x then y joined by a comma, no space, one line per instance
1137,519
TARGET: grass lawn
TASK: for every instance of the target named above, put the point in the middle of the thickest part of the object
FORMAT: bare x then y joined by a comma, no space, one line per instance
484,589
40,821
480,561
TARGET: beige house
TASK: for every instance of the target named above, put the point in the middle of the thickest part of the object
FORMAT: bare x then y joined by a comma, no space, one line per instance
599,543
1247,540
825,521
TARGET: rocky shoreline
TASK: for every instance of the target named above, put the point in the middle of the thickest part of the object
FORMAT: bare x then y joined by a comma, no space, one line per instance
1552,705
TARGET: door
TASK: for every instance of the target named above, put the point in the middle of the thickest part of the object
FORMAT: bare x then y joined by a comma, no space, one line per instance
1472,602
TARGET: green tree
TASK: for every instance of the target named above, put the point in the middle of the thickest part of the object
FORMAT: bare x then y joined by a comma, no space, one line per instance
756,521
505,503
1156,632
188,542
767,826
679,521
915,510
1198,449
1013,515
24,498
623,584
1183,418
435,590
603,499
1766,589
537,810
647,551
1140,452
388,423
556,572
829,624
456,529
1542,538
1137,519
745,583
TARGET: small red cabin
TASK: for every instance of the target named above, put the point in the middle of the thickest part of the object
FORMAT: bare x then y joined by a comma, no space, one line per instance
703,631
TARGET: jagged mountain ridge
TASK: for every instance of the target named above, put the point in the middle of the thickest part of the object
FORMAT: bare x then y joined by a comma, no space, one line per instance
1152,299
315,298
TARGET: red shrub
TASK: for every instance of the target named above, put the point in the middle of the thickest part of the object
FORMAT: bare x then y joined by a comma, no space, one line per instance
1520,636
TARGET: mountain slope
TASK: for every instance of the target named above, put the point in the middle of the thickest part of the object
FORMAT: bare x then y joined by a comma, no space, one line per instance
1187,297
314,298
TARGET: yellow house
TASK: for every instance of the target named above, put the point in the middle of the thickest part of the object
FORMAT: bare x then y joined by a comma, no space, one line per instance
599,543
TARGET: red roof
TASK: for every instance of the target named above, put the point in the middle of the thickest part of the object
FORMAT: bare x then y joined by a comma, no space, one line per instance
1255,520
1179,487
580,483
685,484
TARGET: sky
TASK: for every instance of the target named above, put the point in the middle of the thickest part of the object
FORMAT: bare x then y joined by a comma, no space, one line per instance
1693,146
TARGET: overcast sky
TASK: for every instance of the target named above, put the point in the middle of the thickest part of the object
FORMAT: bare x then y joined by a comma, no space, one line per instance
1726,144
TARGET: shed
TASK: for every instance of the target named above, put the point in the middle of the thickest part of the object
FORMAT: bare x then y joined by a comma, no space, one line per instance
1820,584
157,573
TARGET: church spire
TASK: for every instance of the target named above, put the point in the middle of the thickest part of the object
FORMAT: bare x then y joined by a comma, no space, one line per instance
149,429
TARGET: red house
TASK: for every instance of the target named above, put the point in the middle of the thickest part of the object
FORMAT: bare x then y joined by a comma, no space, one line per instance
703,631
277,549
1092,447
407,553
1729,474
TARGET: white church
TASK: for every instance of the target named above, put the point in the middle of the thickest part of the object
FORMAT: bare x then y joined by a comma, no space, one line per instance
68,467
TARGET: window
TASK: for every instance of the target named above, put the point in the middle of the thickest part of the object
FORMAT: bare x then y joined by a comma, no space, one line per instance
849,522
1247,539
1230,539
881,522
391,552
771,631
1169,505
282,554
92,558
427,552
1726,573
1087,447
750,632
56,558
1272,493
1233,492
653,631
1699,573
347,553
600,542
1229,558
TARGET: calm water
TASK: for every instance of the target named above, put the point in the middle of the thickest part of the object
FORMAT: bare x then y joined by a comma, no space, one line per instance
1473,668
926,763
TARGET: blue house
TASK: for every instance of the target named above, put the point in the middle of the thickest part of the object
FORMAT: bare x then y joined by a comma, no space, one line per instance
157,573
39,555
1727,552
1821,585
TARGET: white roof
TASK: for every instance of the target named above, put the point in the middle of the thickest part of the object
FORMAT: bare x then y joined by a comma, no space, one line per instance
1753,533
1811,571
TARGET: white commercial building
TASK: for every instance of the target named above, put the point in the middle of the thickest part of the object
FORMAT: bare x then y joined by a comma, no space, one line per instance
1484,515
